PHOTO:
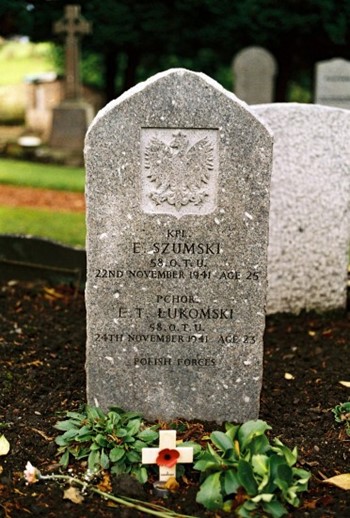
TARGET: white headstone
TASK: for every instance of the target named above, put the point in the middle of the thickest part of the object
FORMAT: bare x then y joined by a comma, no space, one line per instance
254,70
310,203
333,83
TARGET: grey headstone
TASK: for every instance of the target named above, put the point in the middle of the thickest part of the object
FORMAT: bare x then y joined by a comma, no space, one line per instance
254,71
333,83
70,121
310,202
177,197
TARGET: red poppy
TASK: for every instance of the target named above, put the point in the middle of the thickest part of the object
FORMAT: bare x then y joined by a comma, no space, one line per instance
167,458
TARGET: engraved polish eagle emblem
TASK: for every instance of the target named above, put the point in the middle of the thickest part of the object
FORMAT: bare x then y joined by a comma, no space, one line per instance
179,171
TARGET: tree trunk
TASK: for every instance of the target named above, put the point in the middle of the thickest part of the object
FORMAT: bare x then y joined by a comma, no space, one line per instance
130,71
282,83
110,58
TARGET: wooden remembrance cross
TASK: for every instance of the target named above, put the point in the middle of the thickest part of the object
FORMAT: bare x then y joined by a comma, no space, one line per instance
72,25
167,447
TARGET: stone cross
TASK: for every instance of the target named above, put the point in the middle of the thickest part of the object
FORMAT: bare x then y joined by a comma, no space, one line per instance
167,445
72,25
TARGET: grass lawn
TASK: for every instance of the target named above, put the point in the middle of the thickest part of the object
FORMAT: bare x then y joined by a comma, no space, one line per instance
20,59
44,176
65,227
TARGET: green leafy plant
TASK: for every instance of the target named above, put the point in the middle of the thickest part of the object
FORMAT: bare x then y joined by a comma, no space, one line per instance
112,440
243,462
342,415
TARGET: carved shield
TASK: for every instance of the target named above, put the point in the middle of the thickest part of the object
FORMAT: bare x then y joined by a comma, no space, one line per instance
179,171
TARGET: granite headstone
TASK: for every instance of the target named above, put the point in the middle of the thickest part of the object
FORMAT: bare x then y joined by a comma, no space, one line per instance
254,70
178,173
333,83
310,207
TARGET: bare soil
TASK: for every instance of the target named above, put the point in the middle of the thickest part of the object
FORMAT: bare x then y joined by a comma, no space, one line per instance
41,198
42,356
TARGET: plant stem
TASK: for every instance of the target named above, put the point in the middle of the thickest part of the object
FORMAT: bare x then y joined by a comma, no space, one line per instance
127,502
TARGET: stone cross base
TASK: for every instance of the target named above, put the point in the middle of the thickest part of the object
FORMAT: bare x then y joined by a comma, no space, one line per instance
70,121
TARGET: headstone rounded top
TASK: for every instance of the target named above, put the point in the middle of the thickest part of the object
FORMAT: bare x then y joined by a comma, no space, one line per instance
299,108
332,86
257,56
333,61
184,77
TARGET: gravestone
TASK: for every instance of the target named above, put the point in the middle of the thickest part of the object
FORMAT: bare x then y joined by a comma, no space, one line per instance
309,211
333,83
177,216
71,118
254,70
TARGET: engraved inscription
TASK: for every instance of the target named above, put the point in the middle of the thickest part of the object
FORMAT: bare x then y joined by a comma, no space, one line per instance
179,171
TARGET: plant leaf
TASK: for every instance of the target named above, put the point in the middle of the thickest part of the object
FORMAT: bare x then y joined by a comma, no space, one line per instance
284,477
68,436
130,415
133,456
341,481
63,426
94,413
206,461
282,450
101,440
93,460
148,435
301,478
133,426
64,459
104,460
140,474
231,430
251,429
119,468
260,464
116,454
221,441
275,508
209,494
197,448
246,477
246,510
75,415
231,482
259,445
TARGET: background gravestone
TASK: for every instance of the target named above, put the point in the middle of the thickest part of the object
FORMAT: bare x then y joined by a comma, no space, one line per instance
71,118
310,202
177,214
333,83
254,70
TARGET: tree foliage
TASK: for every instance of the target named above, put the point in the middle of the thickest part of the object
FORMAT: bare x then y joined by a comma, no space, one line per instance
133,39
